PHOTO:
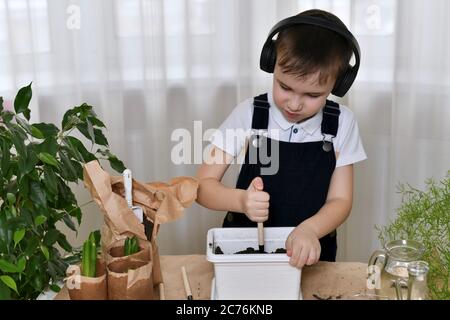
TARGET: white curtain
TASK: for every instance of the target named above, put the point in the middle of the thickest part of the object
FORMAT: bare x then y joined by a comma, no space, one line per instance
152,66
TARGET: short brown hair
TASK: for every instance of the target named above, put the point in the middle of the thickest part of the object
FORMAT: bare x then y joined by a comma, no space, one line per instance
305,49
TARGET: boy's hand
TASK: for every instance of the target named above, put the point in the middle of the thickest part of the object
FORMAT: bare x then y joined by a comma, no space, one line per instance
256,202
303,247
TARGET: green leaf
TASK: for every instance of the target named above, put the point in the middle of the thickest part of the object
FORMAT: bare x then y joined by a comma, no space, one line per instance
72,152
18,141
37,195
48,159
73,258
51,236
5,292
49,180
70,120
96,122
100,138
18,236
11,198
35,132
40,220
75,212
1,104
37,282
21,264
116,164
28,164
50,145
62,241
69,222
32,245
9,267
66,197
6,156
24,186
76,144
45,251
22,101
47,129
7,116
76,115
55,288
68,170
90,130
9,282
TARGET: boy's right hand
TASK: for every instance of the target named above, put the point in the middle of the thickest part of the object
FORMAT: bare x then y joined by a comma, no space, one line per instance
256,201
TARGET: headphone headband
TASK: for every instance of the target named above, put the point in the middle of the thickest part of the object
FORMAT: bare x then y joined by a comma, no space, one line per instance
344,81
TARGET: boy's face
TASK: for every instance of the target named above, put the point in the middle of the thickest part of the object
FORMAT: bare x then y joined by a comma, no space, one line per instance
299,98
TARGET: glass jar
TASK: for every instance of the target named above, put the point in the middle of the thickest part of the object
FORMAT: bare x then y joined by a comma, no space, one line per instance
392,265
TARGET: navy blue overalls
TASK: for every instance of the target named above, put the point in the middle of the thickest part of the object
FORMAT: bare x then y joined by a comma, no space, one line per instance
300,187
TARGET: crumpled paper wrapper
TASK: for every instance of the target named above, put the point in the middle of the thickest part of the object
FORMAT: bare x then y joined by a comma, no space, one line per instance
161,203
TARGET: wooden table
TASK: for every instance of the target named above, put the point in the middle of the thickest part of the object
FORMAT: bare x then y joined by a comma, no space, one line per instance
324,280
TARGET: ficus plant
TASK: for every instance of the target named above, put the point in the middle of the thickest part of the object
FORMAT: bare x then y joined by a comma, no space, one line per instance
37,163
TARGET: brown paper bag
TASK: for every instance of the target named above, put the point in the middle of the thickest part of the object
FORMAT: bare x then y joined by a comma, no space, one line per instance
87,288
119,218
161,203
130,280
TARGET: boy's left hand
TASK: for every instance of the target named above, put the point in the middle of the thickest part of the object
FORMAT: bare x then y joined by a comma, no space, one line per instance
303,246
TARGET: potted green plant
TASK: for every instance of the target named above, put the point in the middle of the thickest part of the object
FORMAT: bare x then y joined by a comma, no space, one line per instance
88,282
424,216
37,163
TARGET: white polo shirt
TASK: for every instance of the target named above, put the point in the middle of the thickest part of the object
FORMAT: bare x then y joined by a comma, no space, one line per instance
347,143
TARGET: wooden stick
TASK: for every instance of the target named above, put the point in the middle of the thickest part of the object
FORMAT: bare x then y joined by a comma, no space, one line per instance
187,288
162,296
261,237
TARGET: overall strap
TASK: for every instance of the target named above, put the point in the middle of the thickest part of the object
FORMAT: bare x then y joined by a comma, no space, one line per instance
330,121
330,124
261,107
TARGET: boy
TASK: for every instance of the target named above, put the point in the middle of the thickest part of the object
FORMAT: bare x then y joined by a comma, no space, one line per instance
318,140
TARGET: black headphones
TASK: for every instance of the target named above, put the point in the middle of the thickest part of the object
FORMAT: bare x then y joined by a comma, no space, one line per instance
269,54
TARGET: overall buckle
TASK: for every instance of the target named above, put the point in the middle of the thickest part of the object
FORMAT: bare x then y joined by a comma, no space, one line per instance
327,142
255,136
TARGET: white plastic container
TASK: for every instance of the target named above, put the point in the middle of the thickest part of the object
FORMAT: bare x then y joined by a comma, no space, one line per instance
265,276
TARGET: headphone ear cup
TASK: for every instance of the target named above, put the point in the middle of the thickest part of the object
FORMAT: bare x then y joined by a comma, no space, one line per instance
268,57
337,90
344,82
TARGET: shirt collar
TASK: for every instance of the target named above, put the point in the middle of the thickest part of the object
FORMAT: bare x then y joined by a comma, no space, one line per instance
310,126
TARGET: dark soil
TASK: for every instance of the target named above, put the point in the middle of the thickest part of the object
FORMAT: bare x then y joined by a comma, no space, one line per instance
249,250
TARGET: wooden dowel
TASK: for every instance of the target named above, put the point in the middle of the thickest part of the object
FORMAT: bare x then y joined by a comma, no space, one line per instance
187,288
162,295
261,237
